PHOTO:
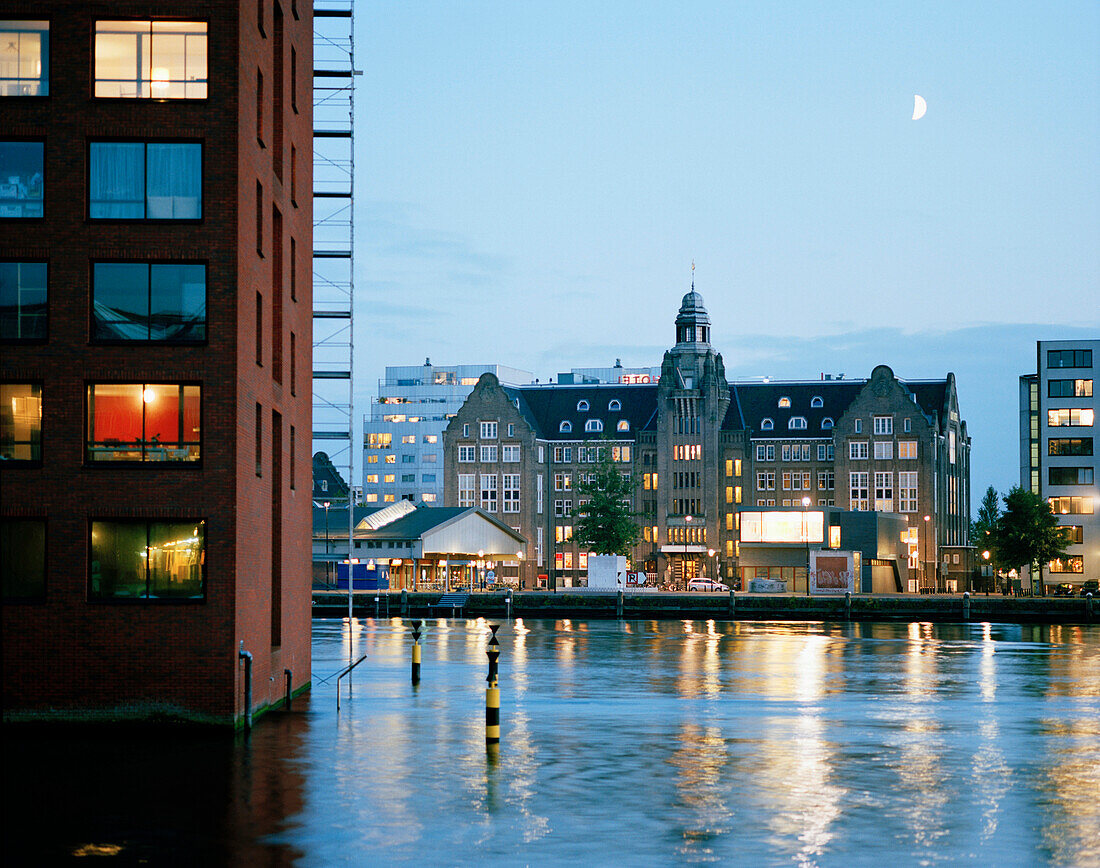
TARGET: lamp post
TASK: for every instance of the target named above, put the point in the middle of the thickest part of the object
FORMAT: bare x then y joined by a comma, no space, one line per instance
806,539
711,553
927,531
326,506
481,569
987,573
687,521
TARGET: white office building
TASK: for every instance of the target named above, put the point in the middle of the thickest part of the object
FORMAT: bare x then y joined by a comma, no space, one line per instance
1058,454
403,435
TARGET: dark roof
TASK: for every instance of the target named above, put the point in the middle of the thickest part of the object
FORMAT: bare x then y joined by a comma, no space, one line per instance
760,401
546,407
423,519
931,396
338,516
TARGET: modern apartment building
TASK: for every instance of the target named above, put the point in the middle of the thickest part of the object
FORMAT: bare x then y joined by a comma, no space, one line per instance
155,319
1057,452
403,436
701,449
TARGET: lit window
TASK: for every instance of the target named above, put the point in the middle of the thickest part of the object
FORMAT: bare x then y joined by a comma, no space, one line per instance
428,498
593,426
622,425
143,422
766,425
24,58
150,59
20,422
147,560
784,402
144,181
22,301
144,301
22,179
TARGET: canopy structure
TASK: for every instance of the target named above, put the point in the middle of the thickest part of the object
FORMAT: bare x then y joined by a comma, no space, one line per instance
446,547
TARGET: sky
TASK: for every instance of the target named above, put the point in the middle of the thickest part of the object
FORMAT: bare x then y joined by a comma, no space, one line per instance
534,181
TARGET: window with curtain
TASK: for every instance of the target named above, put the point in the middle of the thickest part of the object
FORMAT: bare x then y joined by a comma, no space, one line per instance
20,422
149,301
147,560
145,181
24,58
142,422
151,59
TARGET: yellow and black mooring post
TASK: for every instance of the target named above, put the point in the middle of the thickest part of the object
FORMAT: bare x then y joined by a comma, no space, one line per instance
492,692
416,653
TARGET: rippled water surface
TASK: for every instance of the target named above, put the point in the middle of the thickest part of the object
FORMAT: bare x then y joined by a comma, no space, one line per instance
627,742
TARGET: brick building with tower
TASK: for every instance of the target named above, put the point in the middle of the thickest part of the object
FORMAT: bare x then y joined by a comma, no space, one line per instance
701,450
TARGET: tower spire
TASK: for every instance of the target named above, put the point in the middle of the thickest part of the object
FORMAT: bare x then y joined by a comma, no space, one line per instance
693,274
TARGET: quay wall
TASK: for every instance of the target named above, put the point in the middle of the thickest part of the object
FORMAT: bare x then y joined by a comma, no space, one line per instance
719,606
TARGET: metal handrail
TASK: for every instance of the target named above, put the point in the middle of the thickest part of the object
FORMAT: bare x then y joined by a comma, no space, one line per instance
342,674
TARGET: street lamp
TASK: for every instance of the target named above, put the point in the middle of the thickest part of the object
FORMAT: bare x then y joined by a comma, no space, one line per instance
687,519
326,506
481,568
806,539
711,553
927,526
987,573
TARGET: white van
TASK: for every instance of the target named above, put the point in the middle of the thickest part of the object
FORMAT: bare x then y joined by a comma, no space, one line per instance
705,584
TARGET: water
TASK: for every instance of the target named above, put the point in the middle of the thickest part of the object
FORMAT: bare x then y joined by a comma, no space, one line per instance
635,742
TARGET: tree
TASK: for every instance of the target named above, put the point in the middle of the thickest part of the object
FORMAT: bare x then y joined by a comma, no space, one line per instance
605,523
1026,532
988,512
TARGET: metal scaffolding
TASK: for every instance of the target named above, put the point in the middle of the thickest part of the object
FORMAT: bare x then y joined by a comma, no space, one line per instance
333,241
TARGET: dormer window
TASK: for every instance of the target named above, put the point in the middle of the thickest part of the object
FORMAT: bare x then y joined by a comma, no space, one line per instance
826,424
797,423
593,426
614,406
784,402
623,425
565,427
816,401
767,425
582,406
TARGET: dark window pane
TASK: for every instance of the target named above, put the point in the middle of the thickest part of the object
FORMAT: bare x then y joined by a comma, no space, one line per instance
20,422
22,301
21,179
120,309
178,303
174,178
23,558
176,559
116,173
118,560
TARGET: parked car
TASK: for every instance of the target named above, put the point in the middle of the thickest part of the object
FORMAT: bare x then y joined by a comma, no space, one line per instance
1090,586
1065,589
705,584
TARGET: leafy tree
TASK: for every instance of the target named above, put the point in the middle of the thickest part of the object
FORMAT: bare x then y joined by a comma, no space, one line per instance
988,512
1026,532
605,524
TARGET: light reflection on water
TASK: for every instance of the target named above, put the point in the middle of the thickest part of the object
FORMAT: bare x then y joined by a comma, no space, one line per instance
637,742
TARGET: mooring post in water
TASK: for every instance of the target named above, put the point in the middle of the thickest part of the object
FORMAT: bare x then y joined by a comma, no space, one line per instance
416,653
618,604
847,605
289,689
404,602
966,605
1088,606
492,692
733,604
508,604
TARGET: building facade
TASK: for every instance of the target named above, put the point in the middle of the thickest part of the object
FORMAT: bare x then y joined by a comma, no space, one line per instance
403,436
1057,452
155,313
700,449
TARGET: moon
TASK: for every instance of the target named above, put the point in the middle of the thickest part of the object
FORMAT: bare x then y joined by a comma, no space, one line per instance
919,107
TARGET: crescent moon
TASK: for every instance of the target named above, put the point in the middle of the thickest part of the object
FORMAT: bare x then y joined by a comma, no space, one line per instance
919,107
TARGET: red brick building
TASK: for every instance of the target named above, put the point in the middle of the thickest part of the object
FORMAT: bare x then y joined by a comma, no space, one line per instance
155,320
